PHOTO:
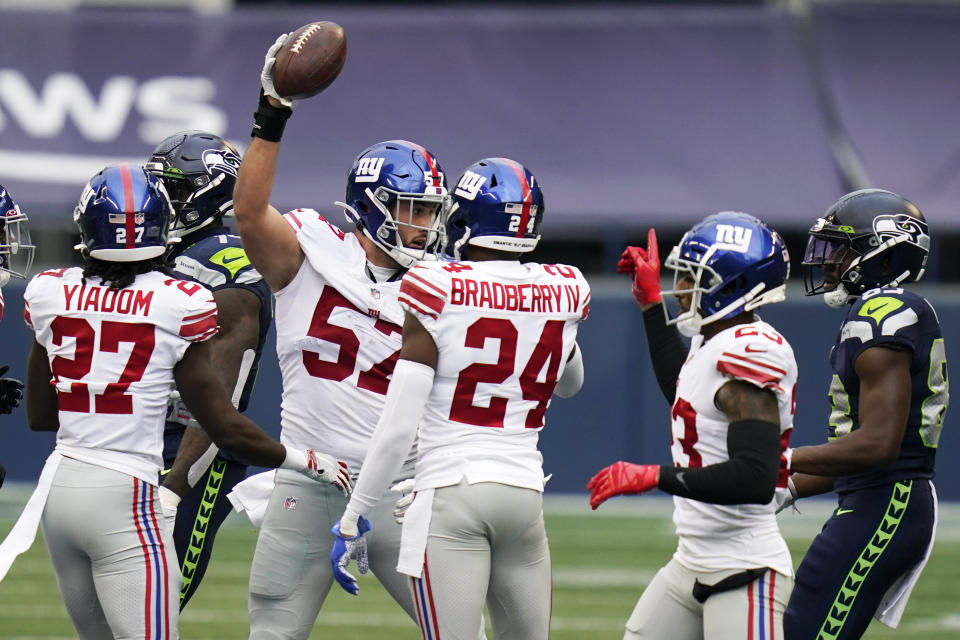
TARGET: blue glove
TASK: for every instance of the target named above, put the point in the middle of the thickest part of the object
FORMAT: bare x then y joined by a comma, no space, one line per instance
345,549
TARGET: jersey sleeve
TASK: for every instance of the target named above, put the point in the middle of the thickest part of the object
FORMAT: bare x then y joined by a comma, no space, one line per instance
219,262
424,292
892,318
36,295
199,321
758,357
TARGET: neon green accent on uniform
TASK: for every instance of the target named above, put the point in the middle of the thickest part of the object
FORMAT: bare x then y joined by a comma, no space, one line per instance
232,259
845,599
198,537
879,308
840,421
845,228
842,511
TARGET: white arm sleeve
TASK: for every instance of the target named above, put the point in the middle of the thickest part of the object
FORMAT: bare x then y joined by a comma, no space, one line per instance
572,377
396,430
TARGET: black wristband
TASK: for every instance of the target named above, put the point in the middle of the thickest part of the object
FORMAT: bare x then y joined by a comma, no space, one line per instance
269,120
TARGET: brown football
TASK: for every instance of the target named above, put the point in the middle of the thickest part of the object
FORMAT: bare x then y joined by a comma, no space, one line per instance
310,59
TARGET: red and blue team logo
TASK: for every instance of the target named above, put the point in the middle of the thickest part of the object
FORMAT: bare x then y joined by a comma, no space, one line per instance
290,503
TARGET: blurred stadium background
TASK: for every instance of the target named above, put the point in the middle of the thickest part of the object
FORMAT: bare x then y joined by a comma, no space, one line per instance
632,115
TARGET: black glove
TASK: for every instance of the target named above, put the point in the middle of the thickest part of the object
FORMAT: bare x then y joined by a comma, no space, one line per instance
3,474
10,392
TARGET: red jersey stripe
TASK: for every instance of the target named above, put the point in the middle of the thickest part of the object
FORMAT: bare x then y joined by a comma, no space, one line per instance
296,224
202,314
421,280
746,373
195,330
433,302
757,363
415,306
527,197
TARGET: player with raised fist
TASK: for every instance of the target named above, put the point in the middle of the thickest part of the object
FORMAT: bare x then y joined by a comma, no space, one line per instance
474,533
731,396
338,339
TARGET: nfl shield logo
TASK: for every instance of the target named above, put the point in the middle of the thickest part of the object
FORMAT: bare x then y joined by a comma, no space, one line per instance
290,503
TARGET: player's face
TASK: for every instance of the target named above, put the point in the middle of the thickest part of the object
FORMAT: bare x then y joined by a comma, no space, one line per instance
414,218
683,300
834,267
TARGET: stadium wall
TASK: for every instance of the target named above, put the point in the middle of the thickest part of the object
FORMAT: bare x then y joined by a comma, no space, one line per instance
619,414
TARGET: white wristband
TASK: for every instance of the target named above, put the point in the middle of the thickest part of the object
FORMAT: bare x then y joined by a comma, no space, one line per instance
296,460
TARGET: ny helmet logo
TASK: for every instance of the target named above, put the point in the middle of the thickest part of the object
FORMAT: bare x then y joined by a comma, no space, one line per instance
469,185
368,169
733,237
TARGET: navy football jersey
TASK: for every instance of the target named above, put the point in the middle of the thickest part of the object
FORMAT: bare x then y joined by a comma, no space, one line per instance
897,319
216,259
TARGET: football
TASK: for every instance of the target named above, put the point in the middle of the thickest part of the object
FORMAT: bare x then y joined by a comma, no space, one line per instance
309,60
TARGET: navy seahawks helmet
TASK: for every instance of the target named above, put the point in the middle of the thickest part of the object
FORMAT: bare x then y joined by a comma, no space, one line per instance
199,170
123,215
736,263
877,238
384,185
16,249
498,205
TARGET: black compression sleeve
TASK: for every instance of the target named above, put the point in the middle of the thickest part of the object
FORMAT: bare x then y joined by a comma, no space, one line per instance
668,351
748,477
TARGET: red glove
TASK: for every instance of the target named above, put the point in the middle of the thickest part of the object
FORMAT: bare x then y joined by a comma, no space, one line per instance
644,266
622,479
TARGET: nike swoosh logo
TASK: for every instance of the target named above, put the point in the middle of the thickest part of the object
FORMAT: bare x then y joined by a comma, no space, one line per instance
225,260
749,349
840,512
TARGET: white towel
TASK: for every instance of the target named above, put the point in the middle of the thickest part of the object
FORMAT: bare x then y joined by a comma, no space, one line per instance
413,535
252,495
895,599
24,532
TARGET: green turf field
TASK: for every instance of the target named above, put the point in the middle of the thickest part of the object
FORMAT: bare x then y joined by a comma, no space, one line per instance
601,562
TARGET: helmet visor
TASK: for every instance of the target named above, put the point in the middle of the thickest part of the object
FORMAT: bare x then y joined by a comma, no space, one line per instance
822,262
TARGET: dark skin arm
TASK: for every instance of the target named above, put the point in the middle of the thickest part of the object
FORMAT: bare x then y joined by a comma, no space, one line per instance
208,401
418,344
239,314
743,401
885,392
807,485
43,412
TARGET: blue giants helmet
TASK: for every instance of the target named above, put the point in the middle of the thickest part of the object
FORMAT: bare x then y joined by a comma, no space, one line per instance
123,215
498,205
731,262
199,171
385,182
16,249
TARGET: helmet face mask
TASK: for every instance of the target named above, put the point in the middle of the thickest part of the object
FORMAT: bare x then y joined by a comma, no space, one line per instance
389,187
498,204
199,171
868,239
16,248
123,215
727,264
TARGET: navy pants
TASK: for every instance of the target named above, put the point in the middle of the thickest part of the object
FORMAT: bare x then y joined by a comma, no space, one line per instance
874,537
199,516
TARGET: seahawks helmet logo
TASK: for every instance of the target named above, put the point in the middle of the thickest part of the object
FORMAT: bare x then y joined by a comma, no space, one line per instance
900,225
221,161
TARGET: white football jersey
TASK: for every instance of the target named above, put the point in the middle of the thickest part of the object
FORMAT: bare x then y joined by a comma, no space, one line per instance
715,536
112,354
338,340
503,332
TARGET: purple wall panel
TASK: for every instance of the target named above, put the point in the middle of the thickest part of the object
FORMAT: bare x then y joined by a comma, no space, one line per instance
638,116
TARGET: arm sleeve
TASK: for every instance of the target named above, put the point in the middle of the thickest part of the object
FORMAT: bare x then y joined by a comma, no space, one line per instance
396,430
572,377
748,477
668,352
